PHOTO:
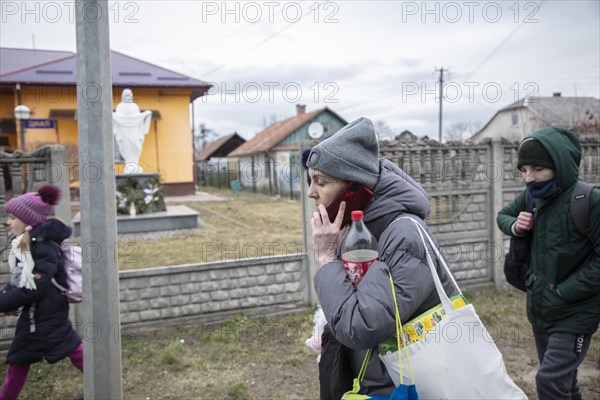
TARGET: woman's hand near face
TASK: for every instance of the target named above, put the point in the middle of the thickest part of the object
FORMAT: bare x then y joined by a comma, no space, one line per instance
326,235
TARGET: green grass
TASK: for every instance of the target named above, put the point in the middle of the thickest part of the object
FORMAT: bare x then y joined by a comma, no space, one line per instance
244,226
239,391
265,358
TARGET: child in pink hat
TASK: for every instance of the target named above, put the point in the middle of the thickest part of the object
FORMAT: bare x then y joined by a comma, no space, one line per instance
43,330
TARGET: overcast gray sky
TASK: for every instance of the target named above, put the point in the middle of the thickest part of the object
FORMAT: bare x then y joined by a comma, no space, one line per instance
360,58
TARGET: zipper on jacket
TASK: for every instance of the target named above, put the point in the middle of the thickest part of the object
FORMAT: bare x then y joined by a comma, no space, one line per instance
533,271
32,318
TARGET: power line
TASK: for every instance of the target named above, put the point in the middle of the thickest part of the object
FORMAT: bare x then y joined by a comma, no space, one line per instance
539,5
377,99
219,39
261,42
234,33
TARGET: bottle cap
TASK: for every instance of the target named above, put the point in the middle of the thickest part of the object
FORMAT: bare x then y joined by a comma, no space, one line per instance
357,215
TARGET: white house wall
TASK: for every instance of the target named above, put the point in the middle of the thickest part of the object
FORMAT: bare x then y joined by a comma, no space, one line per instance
502,125
249,178
288,172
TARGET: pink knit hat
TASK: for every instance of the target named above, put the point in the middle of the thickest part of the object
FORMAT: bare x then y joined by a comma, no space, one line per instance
33,208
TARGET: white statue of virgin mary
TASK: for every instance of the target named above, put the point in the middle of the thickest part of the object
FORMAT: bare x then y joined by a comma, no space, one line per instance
129,127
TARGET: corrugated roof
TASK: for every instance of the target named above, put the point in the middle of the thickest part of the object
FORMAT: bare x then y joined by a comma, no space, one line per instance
13,60
59,68
273,134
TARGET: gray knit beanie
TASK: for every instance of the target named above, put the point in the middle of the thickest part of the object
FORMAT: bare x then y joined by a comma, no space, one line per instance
351,154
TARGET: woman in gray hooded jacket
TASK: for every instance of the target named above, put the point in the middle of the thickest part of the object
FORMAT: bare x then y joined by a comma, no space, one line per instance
363,316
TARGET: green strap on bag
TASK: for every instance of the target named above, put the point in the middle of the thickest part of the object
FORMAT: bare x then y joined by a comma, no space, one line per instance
355,394
399,333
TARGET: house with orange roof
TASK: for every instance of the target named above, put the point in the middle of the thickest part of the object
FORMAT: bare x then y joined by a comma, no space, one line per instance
46,82
270,162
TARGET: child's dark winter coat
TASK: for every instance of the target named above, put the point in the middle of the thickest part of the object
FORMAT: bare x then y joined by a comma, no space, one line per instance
43,329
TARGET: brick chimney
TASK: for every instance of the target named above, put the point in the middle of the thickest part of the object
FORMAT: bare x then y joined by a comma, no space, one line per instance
300,109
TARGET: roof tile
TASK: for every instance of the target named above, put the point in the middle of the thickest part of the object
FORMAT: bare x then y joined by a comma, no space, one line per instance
273,134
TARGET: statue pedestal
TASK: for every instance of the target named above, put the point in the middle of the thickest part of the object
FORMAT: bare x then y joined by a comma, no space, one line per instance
177,217
151,214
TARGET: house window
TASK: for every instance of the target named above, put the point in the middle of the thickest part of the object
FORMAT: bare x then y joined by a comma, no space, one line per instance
515,119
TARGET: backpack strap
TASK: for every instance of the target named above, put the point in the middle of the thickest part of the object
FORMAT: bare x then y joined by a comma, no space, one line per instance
579,207
60,287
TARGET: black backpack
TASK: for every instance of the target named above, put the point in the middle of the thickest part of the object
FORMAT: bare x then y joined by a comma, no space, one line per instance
518,258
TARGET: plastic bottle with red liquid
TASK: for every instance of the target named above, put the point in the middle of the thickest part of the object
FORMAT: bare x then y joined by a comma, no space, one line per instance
358,249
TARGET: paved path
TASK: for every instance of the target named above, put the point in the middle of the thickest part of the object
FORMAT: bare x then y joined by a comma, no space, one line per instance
198,196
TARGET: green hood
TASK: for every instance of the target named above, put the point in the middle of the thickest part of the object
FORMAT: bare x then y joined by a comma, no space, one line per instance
565,151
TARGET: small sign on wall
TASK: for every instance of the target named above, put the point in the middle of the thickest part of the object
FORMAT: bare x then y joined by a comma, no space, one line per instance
38,123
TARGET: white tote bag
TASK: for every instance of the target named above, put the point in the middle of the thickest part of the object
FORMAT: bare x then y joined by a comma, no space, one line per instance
457,359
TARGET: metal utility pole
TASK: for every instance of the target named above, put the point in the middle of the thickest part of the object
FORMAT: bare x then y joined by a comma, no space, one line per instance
441,70
101,330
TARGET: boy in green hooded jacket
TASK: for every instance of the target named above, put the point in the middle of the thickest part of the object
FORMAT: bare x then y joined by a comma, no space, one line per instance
563,280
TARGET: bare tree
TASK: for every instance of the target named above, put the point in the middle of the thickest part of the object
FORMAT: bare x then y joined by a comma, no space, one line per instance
459,131
204,136
383,130
271,119
586,124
